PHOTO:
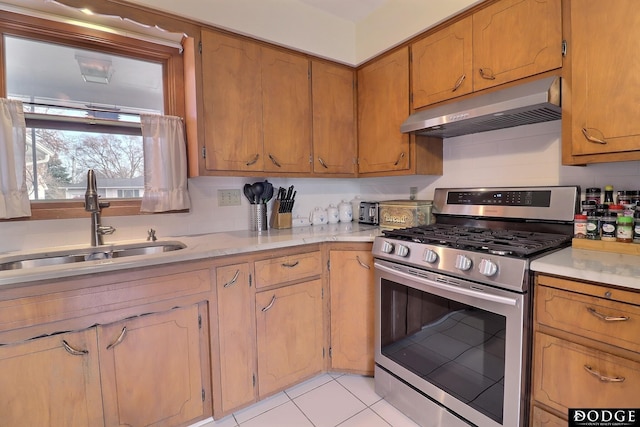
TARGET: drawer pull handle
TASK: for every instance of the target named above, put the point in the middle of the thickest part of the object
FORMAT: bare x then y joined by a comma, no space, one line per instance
119,339
487,74
459,82
602,377
273,300
591,138
232,281
607,318
253,161
72,350
274,161
362,264
400,157
324,165
288,265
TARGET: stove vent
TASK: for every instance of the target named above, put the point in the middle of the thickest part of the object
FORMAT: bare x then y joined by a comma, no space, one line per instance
529,103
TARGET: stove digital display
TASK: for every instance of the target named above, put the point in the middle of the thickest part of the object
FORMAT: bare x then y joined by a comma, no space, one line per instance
535,198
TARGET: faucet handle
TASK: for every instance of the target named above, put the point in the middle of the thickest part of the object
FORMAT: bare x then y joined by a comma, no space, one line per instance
151,235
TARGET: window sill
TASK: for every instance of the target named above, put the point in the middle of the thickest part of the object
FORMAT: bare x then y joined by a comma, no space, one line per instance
68,210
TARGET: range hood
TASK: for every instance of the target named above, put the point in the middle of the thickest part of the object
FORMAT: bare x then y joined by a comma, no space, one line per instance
528,103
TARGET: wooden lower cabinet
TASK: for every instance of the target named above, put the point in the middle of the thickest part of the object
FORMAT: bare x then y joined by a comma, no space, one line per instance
151,369
585,351
142,371
352,310
51,381
236,335
289,335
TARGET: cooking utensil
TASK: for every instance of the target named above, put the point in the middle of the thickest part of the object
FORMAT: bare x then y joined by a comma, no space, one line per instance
248,192
267,193
257,189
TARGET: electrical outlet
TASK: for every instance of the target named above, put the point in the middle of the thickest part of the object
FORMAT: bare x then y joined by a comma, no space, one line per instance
228,197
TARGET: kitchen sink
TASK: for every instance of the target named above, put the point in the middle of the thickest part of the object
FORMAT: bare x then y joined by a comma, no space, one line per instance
48,258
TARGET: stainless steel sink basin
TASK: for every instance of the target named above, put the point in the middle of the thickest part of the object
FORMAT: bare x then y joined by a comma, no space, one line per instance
43,259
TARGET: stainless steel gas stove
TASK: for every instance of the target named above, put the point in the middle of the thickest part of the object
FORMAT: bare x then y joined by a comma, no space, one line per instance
453,303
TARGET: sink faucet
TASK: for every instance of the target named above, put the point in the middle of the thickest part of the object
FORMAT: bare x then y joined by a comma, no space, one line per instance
93,205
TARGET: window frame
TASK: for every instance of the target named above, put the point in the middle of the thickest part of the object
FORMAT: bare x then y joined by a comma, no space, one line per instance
35,28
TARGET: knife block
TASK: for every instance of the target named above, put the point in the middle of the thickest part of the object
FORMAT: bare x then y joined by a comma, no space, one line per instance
279,220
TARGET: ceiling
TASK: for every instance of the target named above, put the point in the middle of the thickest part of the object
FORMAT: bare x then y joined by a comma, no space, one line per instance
349,10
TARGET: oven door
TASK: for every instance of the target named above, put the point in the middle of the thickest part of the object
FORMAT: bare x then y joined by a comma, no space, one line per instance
461,344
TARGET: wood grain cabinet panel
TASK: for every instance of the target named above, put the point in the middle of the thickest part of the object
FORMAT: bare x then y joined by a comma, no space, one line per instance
334,119
436,79
42,383
602,76
290,335
237,337
513,39
352,311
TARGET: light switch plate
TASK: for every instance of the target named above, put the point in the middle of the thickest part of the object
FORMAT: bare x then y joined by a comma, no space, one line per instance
228,197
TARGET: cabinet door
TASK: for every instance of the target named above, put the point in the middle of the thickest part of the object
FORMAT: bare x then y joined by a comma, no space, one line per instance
289,322
435,78
151,369
604,78
237,337
352,311
513,39
334,124
52,381
232,94
383,105
286,111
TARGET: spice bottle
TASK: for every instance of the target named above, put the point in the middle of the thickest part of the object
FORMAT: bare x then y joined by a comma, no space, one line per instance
593,194
608,227
593,227
580,226
624,229
608,195
636,226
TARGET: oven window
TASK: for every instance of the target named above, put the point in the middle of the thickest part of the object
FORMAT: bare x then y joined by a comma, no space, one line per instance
456,347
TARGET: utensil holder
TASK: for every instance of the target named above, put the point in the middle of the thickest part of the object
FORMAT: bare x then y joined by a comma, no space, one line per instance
258,217
279,220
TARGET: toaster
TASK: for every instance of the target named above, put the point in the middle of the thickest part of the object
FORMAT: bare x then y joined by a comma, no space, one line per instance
368,213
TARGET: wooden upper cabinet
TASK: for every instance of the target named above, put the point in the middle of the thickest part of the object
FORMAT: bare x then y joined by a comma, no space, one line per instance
232,95
441,64
334,119
383,104
286,111
602,77
513,39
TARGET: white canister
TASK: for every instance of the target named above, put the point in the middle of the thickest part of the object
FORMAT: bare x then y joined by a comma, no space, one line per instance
318,216
345,210
355,207
333,214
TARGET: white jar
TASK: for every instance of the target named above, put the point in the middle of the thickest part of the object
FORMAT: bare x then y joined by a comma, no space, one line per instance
345,211
355,207
333,214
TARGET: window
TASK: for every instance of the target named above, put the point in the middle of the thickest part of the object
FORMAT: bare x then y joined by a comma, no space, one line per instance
82,110
83,89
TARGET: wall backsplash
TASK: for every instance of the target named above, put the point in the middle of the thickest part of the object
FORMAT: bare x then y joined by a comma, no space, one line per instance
527,155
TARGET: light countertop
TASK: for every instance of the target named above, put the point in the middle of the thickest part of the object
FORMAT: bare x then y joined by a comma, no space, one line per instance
594,266
198,247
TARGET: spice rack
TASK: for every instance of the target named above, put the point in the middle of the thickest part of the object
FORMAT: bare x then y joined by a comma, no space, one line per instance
604,246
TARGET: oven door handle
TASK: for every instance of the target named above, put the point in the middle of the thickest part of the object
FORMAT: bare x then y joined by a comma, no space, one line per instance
451,288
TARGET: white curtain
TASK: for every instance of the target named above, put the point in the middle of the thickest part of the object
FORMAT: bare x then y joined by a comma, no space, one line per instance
14,196
165,164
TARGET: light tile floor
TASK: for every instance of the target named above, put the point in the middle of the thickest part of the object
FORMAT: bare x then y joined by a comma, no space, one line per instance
328,400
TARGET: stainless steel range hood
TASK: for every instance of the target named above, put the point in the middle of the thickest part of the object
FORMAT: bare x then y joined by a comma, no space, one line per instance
528,103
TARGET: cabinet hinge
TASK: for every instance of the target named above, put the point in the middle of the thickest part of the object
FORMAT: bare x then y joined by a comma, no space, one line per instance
411,98
204,152
330,352
328,265
254,379
203,395
200,47
564,48
199,321
310,158
250,279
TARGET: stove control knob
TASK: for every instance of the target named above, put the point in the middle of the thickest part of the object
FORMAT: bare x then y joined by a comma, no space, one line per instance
488,268
387,247
430,256
463,263
402,250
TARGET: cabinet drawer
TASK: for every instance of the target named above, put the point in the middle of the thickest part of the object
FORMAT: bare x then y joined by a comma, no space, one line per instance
569,375
287,268
595,318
